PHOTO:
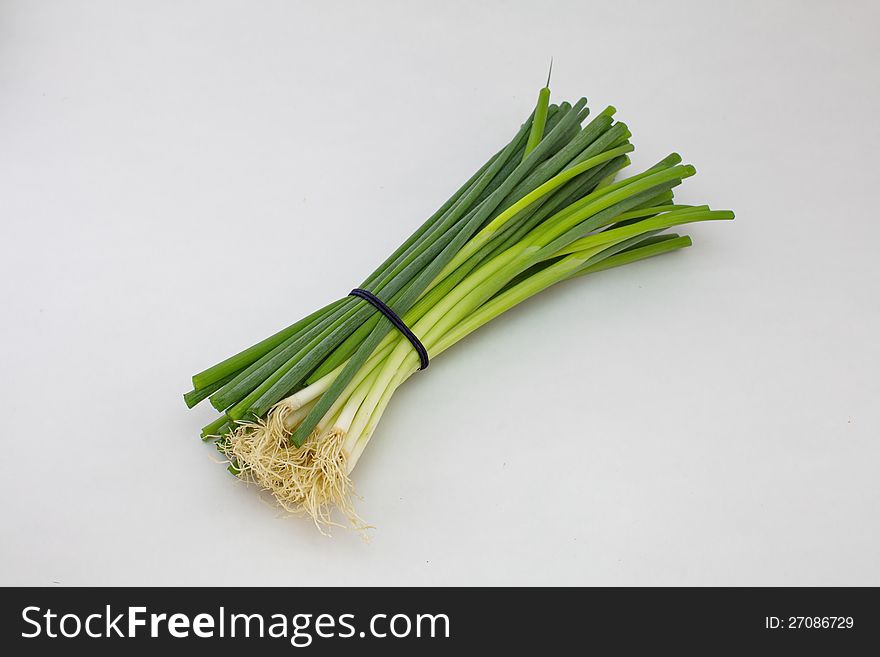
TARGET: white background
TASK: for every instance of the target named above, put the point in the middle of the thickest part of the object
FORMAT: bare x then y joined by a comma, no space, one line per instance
178,180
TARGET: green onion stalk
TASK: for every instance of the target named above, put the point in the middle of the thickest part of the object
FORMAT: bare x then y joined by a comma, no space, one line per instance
299,408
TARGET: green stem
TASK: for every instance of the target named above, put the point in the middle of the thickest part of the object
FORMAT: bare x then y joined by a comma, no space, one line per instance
537,132
194,396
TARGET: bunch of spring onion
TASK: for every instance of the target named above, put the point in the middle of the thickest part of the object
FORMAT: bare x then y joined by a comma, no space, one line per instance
298,408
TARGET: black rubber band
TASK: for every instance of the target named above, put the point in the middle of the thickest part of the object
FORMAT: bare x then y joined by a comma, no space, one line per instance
392,316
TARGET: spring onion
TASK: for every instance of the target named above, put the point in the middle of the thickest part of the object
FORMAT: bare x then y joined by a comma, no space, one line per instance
299,407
